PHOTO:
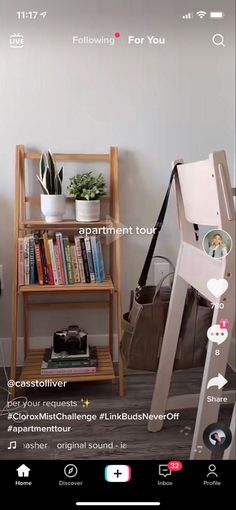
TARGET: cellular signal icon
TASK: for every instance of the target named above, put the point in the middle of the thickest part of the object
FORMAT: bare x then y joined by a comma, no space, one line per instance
188,16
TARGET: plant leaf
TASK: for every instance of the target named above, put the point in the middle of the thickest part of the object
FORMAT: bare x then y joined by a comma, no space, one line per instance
52,171
42,185
42,165
61,174
57,185
47,182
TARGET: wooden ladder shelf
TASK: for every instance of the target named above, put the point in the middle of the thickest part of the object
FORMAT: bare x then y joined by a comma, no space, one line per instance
109,291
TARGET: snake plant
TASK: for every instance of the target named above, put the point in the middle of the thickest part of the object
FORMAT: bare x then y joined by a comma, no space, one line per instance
50,179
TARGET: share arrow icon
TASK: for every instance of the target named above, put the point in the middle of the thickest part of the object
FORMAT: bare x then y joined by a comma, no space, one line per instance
219,381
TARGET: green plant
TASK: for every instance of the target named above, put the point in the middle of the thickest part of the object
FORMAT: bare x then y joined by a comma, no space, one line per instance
50,179
86,186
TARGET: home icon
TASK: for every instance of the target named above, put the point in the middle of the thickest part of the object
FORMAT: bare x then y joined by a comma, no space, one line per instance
23,471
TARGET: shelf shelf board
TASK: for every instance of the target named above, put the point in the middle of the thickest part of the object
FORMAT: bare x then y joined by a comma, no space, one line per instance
35,199
32,368
106,285
63,225
69,157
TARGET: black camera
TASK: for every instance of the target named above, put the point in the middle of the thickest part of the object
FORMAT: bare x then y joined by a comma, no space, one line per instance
72,340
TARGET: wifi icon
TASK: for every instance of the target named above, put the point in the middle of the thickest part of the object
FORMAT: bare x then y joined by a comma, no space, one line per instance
201,14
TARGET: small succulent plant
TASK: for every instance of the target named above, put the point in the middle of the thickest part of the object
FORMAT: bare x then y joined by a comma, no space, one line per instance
50,179
86,186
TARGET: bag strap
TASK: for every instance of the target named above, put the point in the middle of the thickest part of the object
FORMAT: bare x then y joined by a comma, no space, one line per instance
144,274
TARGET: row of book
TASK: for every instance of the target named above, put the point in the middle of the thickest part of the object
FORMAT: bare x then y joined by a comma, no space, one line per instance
59,260
66,364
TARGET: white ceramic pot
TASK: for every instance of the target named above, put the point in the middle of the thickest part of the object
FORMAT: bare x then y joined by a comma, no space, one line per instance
87,210
53,207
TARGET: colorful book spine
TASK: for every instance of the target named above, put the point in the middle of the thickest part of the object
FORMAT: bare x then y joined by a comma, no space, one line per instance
48,259
44,262
59,246
68,371
26,261
63,257
32,262
21,277
85,260
102,274
71,364
70,275
53,259
90,259
95,258
57,260
38,259
79,258
75,263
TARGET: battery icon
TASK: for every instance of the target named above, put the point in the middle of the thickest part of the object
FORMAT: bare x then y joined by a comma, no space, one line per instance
216,15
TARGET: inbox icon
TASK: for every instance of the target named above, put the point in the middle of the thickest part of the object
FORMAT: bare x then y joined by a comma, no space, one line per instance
163,470
117,473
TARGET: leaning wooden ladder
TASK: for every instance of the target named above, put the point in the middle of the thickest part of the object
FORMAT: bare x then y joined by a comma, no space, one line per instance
107,290
204,196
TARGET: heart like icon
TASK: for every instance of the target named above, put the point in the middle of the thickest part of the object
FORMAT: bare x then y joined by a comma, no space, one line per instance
217,287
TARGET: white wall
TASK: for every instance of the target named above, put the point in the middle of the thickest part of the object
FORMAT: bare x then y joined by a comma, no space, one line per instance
155,103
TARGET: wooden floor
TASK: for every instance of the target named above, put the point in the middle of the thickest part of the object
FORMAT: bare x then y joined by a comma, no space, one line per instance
174,441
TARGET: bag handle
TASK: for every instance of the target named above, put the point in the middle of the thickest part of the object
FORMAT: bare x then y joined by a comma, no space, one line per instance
166,259
144,274
158,287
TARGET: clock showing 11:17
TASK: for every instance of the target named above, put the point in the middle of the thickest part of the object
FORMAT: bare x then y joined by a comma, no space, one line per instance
31,15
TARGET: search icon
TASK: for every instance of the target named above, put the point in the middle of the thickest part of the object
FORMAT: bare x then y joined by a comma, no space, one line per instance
218,40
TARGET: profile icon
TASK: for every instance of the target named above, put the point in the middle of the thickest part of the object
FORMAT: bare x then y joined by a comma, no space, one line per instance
217,244
212,471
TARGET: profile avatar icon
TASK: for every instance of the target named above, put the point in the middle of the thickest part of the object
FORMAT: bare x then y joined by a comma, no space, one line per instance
212,471
217,244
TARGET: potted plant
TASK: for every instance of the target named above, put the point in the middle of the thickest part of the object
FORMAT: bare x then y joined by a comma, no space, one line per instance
53,202
87,189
